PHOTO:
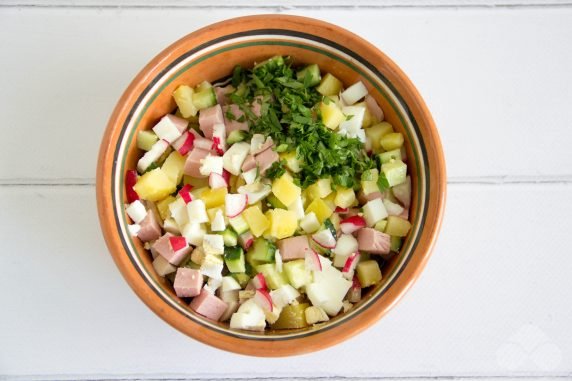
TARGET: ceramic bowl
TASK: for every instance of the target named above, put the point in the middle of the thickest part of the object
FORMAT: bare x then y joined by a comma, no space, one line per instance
210,54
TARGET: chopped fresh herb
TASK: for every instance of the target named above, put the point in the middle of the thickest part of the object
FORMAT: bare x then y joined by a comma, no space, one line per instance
349,117
382,182
276,170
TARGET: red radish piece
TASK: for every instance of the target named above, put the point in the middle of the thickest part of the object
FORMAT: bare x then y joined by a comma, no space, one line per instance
312,261
185,193
217,147
350,265
246,240
235,204
341,210
217,181
130,181
325,238
259,282
354,294
263,299
184,143
226,176
352,224
177,243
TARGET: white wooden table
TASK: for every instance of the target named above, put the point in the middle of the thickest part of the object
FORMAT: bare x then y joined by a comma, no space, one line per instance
496,297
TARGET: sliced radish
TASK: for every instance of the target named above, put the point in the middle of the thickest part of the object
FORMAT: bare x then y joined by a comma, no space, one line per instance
350,265
217,181
341,210
352,224
185,193
235,204
263,299
226,176
130,181
312,261
219,138
354,294
177,243
325,238
246,240
185,143
216,146
259,282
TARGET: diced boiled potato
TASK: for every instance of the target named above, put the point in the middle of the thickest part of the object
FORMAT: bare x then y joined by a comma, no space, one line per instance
183,96
320,188
332,115
213,197
374,211
292,162
329,85
392,141
283,223
154,185
196,182
146,139
256,220
197,212
173,166
310,223
285,190
163,207
380,225
345,197
376,132
329,200
354,93
386,157
394,172
369,187
397,226
320,209
368,273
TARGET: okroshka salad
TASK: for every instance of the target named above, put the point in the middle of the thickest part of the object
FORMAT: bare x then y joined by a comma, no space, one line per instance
271,200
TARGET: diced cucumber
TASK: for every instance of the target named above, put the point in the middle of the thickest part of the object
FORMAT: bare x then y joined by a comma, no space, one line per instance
380,225
273,200
241,89
395,243
392,141
205,98
394,173
230,237
330,85
234,259
146,139
386,157
239,224
274,279
368,273
397,226
310,75
241,278
236,136
292,317
272,61
262,251
204,85
297,274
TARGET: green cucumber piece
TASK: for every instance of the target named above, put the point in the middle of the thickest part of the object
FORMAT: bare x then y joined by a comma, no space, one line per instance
296,273
395,243
274,202
239,224
234,259
262,251
230,237
274,279
310,75
241,278
386,157
204,85
146,139
236,136
205,98
276,60
394,173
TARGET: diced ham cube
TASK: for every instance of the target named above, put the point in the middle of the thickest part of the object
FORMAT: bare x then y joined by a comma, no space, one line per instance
208,305
222,94
293,247
188,282
193,163
373,241
363,198
265,159
234,124
163,247
150,229
208,117
374,108
266,145
248,163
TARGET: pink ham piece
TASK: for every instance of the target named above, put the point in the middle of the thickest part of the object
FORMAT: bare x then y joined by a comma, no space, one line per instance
208,117
179,123
150,229
188,282
193,163
265,159
163,247
201,142
293,247
267,144
373,241
374,108
233,125
222,94
248,163
208,305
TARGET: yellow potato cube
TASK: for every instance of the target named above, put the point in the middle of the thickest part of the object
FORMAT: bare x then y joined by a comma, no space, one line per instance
292,162
173,166
332,116
391,141
257,221
375,133
163,207
285,190
320,189
154,185
345,197
329,85
397,226
213,197
184,100
283,223
329,200
195,182
320,209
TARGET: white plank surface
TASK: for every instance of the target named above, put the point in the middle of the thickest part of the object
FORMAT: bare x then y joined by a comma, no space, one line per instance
502,266
497,80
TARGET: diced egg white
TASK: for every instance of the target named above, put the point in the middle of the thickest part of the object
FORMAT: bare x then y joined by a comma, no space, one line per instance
213,284
354,93
212,266
213,244
194,233
278,260
235,156
178,209
218,223
197,212
229,284
171,226
284,295
374,211
211,164
152,155
256,142
134,229
250,176
255,191
166,130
